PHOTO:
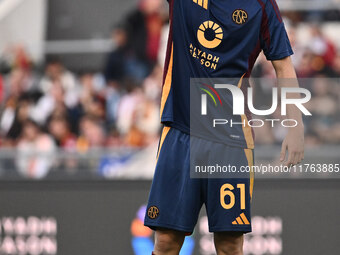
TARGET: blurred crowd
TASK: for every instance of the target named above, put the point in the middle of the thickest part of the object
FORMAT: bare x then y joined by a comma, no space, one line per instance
317,64
115,106
118,105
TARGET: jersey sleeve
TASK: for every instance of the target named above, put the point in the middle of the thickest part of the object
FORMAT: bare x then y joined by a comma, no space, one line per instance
274,39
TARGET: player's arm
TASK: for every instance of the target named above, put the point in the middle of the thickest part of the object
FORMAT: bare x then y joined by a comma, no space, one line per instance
294,141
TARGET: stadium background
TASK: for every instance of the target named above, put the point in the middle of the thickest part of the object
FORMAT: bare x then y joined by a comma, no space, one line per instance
79,133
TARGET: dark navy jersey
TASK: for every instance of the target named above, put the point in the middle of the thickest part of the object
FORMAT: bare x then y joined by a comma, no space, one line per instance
215,39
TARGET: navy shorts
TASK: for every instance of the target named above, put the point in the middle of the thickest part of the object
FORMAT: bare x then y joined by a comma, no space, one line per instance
175,199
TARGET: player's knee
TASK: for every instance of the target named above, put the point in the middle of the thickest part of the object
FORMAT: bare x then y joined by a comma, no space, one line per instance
229,243
168,241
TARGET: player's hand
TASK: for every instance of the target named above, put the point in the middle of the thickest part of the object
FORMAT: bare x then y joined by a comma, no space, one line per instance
294,144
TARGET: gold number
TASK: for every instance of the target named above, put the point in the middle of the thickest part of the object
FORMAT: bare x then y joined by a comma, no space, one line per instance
242,188
226,190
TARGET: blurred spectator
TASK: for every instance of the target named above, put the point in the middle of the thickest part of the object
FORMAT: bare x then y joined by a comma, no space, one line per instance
21,59
55,71
114,139
305,69
59,128
13,120
115,70
134,111
53,102
147,114
152,85
15,90
18,101
144,27
92,134
15,57
91,100
113,96
323,49
35,151
127,108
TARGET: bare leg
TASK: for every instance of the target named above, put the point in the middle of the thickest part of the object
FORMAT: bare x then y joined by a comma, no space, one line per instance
228,243
168,242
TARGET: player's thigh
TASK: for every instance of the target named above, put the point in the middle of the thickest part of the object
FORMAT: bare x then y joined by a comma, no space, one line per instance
228,200
174,199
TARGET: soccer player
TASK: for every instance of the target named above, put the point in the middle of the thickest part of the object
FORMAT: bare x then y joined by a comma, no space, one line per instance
213,39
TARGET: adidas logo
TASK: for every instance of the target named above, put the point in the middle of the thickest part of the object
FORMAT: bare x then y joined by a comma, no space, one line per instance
242,220
203,3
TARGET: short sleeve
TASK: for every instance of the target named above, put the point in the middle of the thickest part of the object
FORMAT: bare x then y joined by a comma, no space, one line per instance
274,39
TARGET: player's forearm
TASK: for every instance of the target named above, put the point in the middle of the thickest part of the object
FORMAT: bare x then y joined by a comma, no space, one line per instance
286,77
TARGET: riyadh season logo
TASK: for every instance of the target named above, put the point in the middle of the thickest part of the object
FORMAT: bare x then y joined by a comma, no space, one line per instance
239,104
210,34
